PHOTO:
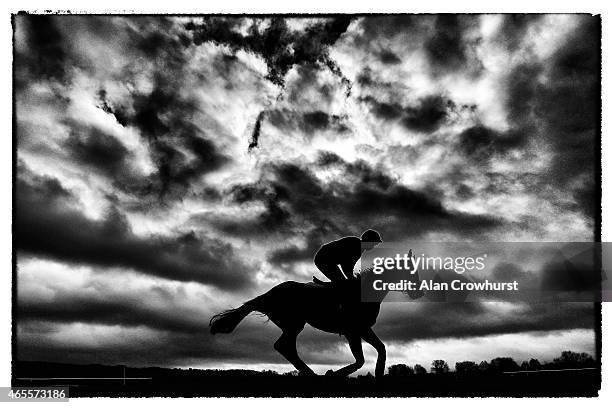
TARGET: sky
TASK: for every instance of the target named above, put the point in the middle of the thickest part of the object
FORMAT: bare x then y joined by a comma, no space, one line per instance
169,168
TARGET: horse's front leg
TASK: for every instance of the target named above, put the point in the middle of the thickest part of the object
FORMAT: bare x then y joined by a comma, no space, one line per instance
371,338
355,345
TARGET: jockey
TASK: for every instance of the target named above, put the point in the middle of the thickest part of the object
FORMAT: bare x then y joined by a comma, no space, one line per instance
337,259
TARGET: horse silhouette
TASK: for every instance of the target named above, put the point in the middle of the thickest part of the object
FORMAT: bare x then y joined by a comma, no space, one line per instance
331,307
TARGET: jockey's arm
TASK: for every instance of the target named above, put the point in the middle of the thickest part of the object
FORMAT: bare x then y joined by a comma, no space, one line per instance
347,270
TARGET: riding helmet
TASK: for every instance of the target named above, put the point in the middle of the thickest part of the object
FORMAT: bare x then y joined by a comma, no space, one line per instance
370,236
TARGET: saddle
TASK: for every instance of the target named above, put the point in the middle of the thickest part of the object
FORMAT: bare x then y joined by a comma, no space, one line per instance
346,288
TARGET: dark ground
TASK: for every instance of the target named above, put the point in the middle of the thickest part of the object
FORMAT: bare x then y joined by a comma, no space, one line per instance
165,382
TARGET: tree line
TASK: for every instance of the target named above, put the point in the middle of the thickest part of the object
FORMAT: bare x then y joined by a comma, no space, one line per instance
567,360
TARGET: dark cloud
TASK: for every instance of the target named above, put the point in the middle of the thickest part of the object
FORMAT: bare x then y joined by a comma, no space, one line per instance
514,27
564,110
275,218
48,225
46,55
522,93
448,41
319,120
158,39
297,202
372,84
389,57
94,148
165,117
377,27
464,191
386,111
70,307
364,78
181,151
463,320
570,102
447,48
307,122
316,120
481,143
426,115
507,272
279,46
578,273
161,347
326,158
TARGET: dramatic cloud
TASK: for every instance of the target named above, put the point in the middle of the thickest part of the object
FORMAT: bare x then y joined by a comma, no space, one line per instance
47,56
480,142
171,167
448,48
279,46
48,225
426,116
178,315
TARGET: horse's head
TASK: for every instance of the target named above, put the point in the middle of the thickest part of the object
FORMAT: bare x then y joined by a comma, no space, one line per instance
387,268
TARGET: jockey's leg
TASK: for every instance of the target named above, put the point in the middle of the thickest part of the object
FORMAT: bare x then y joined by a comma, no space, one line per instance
286,346
371,338
355,345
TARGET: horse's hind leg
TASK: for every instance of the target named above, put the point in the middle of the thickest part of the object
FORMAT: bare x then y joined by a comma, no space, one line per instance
286,346
355,345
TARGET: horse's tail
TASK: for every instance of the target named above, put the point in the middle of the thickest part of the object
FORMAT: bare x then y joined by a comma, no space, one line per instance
226,322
